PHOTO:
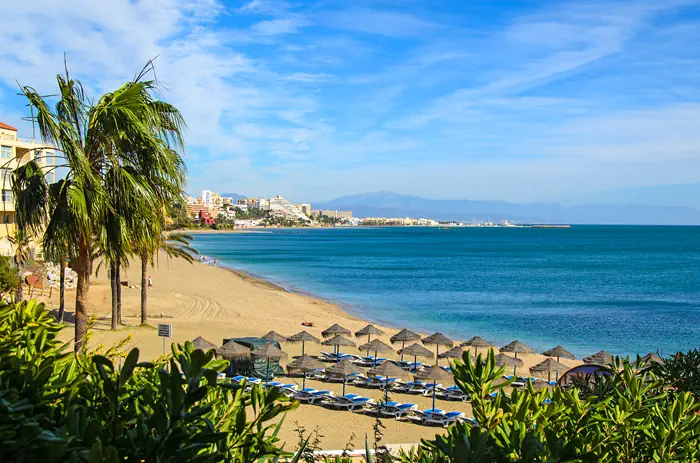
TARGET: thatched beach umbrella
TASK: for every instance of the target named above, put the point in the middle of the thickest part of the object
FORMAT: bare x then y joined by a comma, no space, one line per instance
649,359
403,337
416,350
388,370
338,341
517,347
476,342
335,330
274,336
434,374
303,337
454,353
559,352
376,346
233,351
503,360
369,331
549,365
305,363
344,369
599,358
268,352
202,344
438,339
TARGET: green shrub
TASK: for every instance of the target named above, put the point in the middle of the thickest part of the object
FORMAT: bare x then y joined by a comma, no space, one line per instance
636,421
57,407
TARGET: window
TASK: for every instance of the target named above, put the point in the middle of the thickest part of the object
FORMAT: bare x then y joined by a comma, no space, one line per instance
5,178
7,218
5,152
7,196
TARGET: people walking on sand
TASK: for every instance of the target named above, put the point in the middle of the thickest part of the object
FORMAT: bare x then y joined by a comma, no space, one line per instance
150,281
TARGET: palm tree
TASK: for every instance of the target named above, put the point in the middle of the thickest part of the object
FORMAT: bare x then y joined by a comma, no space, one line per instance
21,243
174,245
126,133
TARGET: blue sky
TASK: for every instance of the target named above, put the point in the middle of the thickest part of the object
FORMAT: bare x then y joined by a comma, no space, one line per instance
478,99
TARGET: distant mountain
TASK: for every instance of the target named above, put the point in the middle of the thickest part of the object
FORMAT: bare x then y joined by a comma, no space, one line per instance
388,204
235,196
687,194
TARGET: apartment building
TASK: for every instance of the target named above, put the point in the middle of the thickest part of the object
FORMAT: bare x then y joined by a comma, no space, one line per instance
15,151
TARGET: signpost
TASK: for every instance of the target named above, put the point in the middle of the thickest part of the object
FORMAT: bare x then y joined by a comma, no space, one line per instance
165,331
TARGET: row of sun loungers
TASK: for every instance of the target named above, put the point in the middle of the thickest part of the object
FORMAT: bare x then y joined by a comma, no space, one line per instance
368,361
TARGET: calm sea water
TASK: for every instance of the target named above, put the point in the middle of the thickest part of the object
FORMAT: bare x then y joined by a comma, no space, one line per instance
623,289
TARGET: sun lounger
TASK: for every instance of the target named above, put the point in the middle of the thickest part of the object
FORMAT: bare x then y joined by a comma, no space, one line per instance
312,395
437,416
396,410
249,380
349,402
280,385
416,387
552,383
454,393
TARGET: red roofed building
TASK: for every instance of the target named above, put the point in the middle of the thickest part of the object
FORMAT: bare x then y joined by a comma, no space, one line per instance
7,127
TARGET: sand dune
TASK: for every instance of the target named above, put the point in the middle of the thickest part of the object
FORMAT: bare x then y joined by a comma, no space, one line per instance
202,300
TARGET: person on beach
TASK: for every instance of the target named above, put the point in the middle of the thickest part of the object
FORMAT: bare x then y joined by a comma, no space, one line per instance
150,281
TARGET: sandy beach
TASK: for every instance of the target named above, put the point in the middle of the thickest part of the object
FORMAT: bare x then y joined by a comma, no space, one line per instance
216,303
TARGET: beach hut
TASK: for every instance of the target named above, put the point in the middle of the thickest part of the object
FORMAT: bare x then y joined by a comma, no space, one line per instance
344,369
388,370
369,331
202,344
274,336
599,358
434,374
477,342
415,350
376,346
403,337
503,360
337,341
305,363
233,352
438,339
268,352
454,353
559,352
549,365
335,330
303,337
517,347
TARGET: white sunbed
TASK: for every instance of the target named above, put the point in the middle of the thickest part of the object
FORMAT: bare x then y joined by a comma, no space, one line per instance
311,395
419,387
396,410
437,416
349,402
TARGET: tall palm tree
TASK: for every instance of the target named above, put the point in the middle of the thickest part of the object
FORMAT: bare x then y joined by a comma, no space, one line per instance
126,133
22,254
174,245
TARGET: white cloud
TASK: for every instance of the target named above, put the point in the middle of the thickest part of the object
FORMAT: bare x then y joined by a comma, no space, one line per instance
278,26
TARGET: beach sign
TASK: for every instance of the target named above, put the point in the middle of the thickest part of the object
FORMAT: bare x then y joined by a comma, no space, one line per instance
165,331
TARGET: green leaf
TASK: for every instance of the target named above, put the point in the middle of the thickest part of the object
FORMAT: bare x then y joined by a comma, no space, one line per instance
129,364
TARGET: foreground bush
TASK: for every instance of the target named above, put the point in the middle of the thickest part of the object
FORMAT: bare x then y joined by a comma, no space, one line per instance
56,407
639,419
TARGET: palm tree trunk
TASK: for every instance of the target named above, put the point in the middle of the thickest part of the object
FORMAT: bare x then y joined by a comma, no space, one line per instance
81,292
19,293
113,284
62,291
119,294
144,287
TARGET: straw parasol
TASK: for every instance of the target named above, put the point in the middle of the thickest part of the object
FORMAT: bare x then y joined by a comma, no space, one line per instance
403,337
335,330
233,351
202,344
517,347
369,331
559,352
338,341
438,339
388,370
503,360
273,336
649,359
477,342
599,358
268,352
549,365
376,346
344,369
303,337
416,350
434,374
454,353
305,363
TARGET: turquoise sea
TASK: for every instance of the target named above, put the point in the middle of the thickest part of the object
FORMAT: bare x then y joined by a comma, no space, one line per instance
625,289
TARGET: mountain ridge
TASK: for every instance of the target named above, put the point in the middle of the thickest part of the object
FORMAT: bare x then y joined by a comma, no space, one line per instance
389,204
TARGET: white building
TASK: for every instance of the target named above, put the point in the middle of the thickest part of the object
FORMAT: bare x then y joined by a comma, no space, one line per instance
281,207
208,197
